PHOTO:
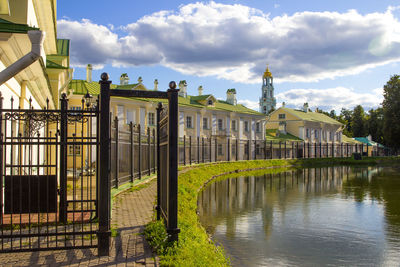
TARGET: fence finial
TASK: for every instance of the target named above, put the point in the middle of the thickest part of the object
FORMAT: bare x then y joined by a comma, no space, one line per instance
104,76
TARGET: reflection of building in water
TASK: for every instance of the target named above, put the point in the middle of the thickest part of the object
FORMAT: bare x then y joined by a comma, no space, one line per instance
232,198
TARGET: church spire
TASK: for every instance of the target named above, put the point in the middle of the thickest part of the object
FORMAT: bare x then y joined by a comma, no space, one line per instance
267,99
267,73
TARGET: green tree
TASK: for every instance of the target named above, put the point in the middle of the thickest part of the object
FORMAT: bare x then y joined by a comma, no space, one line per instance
375,124
345,117
358,122
391,112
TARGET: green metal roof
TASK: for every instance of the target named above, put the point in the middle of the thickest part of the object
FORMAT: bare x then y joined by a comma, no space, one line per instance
81,87
368,142
63,47
311,116
52,65
199,97
8,26
346,139
282,137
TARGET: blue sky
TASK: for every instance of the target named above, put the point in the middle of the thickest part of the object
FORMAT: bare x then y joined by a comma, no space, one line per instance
332,54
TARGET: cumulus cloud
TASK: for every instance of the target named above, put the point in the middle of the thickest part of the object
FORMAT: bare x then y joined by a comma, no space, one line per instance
332,98
235,42
249,103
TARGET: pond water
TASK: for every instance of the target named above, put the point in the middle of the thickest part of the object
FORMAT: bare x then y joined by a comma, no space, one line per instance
332,216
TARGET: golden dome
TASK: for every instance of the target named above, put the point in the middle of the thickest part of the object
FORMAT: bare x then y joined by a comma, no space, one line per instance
267,73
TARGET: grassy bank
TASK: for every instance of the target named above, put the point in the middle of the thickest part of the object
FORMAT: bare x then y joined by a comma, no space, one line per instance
195,248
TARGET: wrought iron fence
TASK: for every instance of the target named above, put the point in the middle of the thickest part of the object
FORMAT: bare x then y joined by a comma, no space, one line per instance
48,178
133,152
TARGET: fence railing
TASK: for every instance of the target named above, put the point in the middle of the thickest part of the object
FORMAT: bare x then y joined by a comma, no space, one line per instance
133,153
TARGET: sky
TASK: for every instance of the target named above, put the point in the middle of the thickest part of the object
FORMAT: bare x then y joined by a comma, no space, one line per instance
331,54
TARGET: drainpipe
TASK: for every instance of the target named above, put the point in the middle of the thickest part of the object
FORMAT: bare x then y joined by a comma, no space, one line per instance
37,38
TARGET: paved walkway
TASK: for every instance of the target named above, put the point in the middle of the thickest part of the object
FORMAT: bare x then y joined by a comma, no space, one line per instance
131,211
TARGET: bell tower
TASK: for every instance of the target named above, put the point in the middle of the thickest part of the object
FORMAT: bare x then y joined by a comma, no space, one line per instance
267,99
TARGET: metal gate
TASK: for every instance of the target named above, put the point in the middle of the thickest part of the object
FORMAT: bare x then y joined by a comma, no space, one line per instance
48,178
167,155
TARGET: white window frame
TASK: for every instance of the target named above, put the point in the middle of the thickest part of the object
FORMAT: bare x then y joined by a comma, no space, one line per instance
246,126
220,124
151,119
258,127
205,123
189,122
234,125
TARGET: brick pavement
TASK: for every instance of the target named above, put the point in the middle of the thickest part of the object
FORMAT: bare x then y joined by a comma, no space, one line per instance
131,211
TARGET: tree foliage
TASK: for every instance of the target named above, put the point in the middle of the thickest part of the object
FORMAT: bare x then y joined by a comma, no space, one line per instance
391,112
358,122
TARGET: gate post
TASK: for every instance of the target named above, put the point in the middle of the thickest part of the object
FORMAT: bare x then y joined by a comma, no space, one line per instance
158,209
63,158
172,228
104,191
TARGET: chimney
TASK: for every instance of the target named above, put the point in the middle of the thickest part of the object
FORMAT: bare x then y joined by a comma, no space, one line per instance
155,85
231,96
89,73
124,79
200,89
305,107
283,104
182,88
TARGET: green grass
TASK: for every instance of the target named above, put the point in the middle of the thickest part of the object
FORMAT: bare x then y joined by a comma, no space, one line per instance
195,248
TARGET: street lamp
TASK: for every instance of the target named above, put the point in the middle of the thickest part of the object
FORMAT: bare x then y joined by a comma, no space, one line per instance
89,100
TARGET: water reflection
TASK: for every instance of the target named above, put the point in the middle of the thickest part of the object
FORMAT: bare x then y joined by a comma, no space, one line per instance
317,216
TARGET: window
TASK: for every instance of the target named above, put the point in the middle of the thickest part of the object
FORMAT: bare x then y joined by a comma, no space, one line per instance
308,133
220,124
151,118
265,95
210,102
220,150
265,108
246,126
234,150
234,127
205,123
130,117
258,128
316,134
189,123
282,116
120,114
331,136
71,150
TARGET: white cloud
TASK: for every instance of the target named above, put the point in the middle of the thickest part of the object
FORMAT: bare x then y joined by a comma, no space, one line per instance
332,98
234,42
249,103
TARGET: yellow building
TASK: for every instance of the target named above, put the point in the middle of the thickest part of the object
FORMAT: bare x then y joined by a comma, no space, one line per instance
34,67
313,128
29,27
199,116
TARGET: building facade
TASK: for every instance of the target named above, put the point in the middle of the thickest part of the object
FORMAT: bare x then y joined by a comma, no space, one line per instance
313,128
267,99
200,116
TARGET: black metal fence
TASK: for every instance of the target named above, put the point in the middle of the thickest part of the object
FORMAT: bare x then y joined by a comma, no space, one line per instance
211,149
47,178
133,152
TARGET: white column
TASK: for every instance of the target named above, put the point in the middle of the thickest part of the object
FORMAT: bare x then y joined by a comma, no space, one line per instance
214,124
198,116
181,124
